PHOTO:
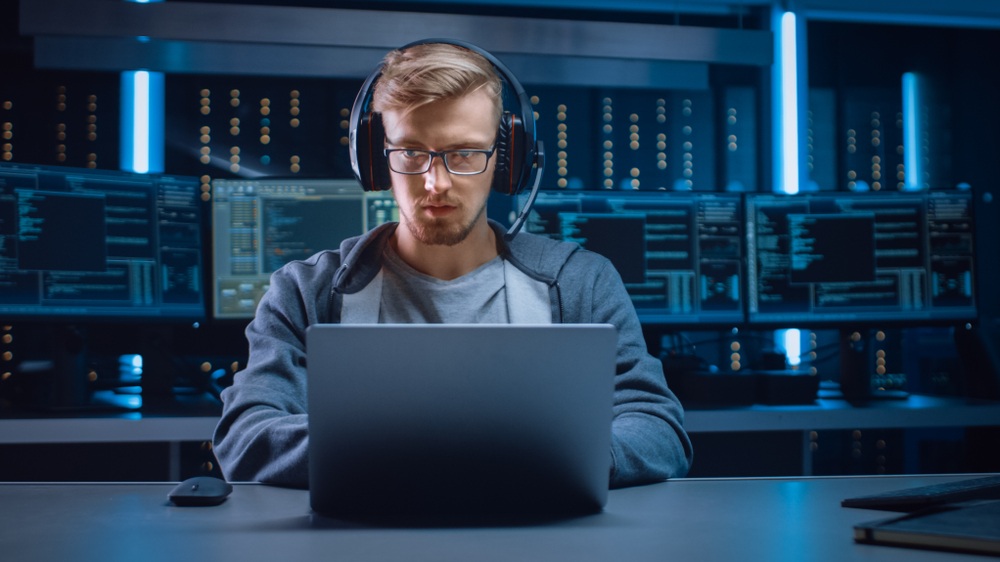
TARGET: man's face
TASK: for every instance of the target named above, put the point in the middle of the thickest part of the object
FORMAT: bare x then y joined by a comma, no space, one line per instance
437,207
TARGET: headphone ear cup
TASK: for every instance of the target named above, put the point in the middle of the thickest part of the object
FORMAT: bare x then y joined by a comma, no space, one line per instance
369,143
510,159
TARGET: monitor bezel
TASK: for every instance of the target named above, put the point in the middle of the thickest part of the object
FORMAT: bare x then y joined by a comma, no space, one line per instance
96,314
850,322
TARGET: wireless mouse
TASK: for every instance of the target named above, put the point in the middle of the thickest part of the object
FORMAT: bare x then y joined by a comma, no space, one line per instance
200,491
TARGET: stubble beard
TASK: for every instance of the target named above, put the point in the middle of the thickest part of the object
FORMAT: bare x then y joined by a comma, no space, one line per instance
442,232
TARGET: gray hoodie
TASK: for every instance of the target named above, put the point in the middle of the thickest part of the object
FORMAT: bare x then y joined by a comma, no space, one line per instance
262,435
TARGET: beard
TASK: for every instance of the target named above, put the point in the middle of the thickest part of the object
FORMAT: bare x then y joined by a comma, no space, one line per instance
442,232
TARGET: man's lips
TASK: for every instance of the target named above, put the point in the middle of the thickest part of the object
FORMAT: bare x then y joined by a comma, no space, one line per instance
438,209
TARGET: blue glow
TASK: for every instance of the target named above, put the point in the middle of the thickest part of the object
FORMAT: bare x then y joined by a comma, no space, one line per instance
791,341
911,131
140,121
789,110
142,117
142,125
130,366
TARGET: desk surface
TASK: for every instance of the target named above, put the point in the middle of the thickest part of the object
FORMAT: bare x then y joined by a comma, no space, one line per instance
690,519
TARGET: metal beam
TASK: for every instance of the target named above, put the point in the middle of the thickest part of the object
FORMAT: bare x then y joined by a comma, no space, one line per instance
933,13
217,24
185,57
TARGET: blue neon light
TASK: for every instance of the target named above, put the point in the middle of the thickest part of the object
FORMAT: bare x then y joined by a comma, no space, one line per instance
142,121
142,117
912,131
789,110
791,341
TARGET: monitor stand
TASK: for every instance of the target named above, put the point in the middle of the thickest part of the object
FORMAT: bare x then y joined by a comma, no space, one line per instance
856,360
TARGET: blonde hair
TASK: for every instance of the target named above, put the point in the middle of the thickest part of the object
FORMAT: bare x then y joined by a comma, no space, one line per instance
430,72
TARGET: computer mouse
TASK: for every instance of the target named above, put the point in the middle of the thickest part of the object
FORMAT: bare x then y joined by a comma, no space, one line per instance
200,491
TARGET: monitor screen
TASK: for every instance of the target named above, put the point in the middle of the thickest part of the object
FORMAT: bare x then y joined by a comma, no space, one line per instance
842,258
679,253
82,244
259,225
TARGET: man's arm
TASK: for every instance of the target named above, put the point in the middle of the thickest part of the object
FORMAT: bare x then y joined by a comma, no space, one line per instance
263,432
648,441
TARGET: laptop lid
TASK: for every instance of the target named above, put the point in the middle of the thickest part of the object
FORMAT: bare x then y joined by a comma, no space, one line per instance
459,418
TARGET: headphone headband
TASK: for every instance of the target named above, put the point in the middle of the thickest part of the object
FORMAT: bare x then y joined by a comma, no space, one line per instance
518,151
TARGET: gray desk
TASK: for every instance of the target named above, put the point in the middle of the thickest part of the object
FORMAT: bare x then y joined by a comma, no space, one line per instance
825,413
769,520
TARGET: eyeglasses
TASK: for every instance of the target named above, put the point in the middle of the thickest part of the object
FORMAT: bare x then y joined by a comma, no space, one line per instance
461,162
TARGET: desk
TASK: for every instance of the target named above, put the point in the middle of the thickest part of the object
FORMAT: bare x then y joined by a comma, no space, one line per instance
197,423
771,520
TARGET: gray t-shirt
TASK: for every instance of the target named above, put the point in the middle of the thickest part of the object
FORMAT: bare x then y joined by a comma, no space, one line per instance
409,296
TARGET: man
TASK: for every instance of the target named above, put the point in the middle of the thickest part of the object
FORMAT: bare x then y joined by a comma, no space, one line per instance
444,262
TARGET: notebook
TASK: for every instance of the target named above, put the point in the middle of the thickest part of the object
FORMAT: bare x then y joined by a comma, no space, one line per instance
459,419
964,527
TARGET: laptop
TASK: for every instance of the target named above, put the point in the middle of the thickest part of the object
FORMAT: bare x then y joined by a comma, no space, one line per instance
459,420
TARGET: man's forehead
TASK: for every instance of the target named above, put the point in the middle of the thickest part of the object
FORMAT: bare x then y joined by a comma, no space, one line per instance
465,121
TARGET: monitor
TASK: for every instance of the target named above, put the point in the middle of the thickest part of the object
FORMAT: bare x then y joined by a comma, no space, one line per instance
260,224
847,258
679,253
78,244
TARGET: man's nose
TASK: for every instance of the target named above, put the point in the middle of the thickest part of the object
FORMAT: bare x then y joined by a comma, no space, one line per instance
437,178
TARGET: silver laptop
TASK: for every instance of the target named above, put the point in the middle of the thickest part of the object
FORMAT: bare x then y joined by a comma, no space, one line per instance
459,419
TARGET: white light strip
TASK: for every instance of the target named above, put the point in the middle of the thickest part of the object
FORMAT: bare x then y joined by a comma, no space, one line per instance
789,106
911,131
792,342
140,121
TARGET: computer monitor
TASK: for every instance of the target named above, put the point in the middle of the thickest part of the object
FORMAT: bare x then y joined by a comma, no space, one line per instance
260,224
78,244
679,253
860,259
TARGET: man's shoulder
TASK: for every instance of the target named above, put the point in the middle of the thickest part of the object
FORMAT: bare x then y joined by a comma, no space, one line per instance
531,247
552,257
319,264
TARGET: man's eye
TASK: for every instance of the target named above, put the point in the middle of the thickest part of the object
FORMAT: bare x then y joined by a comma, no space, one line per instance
412,153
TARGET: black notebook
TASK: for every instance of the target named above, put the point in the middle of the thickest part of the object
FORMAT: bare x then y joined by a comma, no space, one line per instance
971,527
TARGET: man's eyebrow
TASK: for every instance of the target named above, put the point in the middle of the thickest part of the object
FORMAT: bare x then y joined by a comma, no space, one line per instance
399,142
471,145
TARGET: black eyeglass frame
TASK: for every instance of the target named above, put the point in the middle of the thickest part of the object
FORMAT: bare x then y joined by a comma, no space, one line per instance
443,155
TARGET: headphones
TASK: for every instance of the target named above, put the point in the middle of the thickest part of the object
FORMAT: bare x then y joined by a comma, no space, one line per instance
518,152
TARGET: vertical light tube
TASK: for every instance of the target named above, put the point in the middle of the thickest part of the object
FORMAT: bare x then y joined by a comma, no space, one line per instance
786,154
142,117
788,109
142,120
791,341
912,131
